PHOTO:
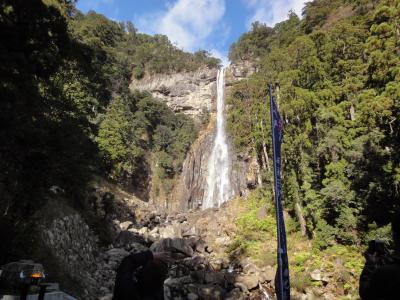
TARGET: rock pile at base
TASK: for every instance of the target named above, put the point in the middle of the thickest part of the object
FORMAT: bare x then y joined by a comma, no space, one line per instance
198,273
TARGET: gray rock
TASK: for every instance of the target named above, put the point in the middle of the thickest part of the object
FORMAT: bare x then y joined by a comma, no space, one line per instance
249,281
189,92
197,243
211,292
104,290
127,237
250,268
176,246
267,274
223,241
106,297
235,294
316,275
216,264
116,254
191,231
214,277
171,231
209,249
143,231
125,225
192,296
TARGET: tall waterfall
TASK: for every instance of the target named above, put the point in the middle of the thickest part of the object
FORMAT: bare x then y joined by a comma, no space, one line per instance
218,188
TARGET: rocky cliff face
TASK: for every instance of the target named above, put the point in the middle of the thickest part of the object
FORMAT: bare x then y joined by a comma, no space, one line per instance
191,92
239,71
190,191
194,93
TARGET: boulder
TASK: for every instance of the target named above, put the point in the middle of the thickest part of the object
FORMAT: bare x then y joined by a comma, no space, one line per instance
171,231
177,246
126,238
125,225
192,296
191,231
214,277
249,281
143,231
106,297
267,274
197,243
223,241
211,292
216,264
235,294
316,275
116,254
250,268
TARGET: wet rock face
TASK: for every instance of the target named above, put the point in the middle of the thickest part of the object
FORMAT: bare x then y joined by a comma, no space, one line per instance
191,188
188,92
190,191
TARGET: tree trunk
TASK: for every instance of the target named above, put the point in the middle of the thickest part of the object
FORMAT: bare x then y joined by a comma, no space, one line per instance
352,113
259,178
278,94
297,206
300,218
264,146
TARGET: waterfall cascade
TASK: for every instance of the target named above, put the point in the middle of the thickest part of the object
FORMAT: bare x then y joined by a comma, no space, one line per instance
218,189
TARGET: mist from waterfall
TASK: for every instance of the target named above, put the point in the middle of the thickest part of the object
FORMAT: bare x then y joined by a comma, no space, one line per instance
218,188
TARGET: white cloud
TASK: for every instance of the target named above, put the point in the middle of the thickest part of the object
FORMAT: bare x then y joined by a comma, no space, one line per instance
188,23
271,12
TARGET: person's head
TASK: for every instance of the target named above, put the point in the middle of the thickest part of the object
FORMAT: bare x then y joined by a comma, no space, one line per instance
152,276
396,230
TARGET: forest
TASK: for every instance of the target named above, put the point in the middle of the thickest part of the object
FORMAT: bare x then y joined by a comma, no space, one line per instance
336,75
67,112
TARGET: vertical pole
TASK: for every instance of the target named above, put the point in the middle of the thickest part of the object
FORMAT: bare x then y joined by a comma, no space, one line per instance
282,285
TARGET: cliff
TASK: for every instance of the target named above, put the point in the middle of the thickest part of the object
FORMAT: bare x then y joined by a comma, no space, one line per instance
195,93
189,92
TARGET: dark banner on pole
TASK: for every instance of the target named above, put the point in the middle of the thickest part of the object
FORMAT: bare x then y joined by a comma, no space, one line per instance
282,282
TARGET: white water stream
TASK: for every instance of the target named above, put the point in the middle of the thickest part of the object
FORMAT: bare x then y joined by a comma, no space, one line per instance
218,188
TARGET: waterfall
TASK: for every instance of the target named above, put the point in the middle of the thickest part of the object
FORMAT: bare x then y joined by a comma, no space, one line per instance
218,188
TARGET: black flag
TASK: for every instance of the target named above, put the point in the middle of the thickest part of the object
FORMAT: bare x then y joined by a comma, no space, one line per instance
282,282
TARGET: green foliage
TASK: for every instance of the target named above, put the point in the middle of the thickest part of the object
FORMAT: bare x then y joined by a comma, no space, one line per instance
383,233
335,78
136,124
67,112
253,43
119,139
166,164
138,72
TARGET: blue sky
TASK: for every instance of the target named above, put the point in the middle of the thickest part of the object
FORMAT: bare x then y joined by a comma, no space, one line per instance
212,25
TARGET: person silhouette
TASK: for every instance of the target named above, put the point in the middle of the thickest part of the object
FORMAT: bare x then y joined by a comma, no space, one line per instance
141,276
380,278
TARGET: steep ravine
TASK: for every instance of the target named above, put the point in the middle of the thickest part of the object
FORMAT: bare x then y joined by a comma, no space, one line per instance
195,94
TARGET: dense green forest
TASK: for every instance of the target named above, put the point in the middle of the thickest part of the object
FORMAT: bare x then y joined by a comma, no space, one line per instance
336,78
66,111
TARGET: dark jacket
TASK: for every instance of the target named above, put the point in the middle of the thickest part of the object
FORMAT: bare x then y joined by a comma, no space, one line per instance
126,288
382,283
